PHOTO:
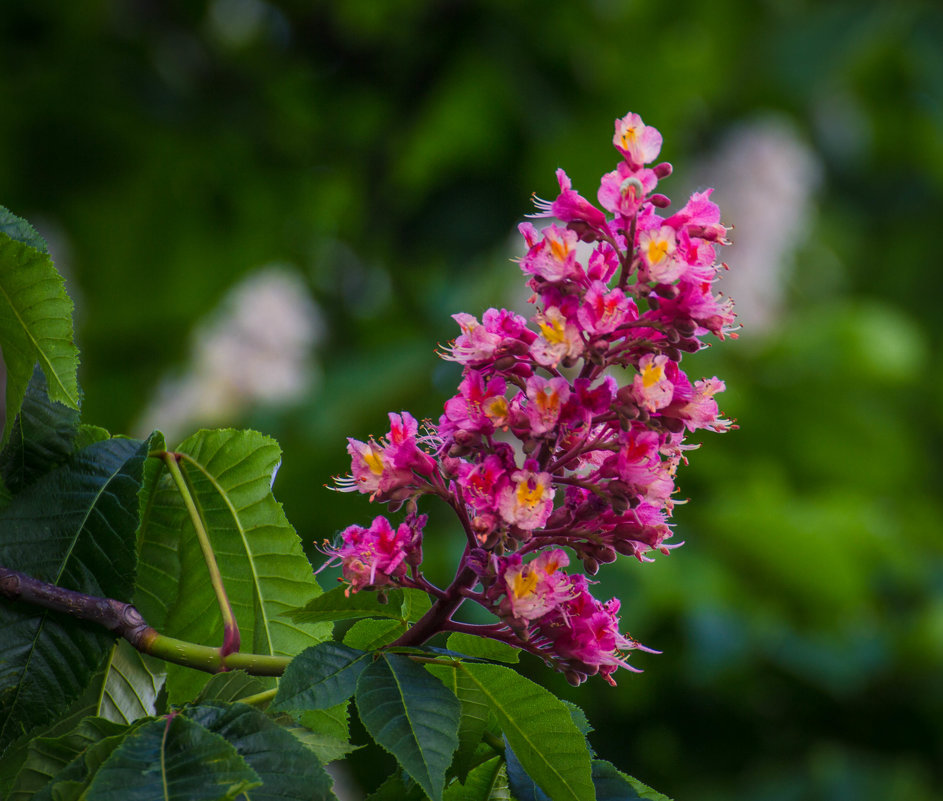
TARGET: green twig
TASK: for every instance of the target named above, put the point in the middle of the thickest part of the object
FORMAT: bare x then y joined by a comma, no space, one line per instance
125,621
259,698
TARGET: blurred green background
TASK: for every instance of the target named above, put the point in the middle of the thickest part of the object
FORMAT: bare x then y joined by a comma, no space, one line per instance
363,164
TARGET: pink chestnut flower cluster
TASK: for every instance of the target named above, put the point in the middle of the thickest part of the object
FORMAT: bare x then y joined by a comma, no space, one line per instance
542,448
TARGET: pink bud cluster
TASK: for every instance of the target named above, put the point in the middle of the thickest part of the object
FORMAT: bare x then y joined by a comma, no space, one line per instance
542,447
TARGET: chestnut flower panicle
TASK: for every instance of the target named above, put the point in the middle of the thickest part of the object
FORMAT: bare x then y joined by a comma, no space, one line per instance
544,451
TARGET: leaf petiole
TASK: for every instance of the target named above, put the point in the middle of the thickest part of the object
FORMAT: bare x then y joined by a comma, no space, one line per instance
230,626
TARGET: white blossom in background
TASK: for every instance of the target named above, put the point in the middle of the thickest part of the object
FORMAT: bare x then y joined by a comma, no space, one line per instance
765,177
254,349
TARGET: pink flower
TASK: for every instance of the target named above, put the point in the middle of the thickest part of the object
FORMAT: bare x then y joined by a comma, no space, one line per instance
559,338
623,190
553,257
482,483
570,206
526,502
604,310
378,556
385,469
479,407
658,255
546,399
638,142
698,409
652,387
533,589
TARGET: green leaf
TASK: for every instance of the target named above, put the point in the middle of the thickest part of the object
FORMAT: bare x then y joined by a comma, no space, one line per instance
230,686
579,718
475,713
522,785
613,785
320,677
398,787
89,434
487,782
326,732
412,715
263,566
19,229
415,604
483,647
131,684
171,759
74,528
41,438
124,688
35,320
47,757
288,770
336,604
370,634
540,729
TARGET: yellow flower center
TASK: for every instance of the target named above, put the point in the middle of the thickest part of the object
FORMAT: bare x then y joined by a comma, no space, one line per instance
652,374
373,458
553,331
524,583
657,250
559,248
529,496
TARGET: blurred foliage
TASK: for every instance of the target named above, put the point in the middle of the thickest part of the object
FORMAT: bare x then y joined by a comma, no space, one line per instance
385,151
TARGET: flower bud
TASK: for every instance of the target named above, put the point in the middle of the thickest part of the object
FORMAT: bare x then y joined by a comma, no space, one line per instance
672,424
583,230
660,201
662,170
574,677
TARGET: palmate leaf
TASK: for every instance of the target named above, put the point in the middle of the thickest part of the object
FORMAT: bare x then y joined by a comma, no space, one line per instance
398,787
474,719
412,715
326,732
128,685
613,785
35,319
483,647
288,770
47,757
230,686
74,527
320,677
540,730
170,759
487,782
264,569
42,437
123,689
370,634
406,605
522,785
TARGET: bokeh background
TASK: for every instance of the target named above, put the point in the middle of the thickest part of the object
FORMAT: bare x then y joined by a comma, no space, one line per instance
268,211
